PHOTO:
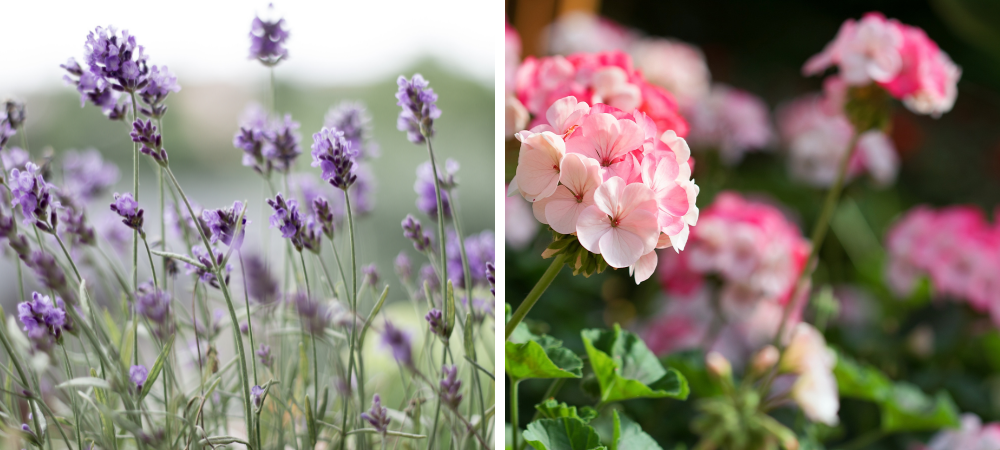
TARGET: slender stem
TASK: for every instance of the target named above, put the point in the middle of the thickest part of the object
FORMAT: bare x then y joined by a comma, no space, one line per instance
135,238
76,412
305,271
818,234
68,257
326,272
437,409
514,423
229,304
535,293
246,299
274,93
440,221
152,267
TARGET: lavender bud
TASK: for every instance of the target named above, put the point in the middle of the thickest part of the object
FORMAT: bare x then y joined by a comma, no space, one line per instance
257,394
30,190
15,113
413,231
324,215
126,207
281,145
404,270
152,142
267,41
491,277
450,386
419,109
315,316
352,118
334,155
154,304
426,196
377,416
252,137
371,276
399,343
435,319
138,374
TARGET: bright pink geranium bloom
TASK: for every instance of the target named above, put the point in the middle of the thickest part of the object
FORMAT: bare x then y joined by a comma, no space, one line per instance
607,77
538,163
579,177
609,141
900,58
621,225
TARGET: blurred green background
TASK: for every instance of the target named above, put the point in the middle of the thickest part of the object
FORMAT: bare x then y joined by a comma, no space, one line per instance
760,47
198,133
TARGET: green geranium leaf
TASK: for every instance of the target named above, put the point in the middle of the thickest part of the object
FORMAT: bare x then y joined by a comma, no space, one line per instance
629,435
541,357
551,409
909,409
626,369
565,433
691,364
861,381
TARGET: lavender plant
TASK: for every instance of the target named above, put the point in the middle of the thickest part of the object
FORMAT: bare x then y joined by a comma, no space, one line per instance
101,359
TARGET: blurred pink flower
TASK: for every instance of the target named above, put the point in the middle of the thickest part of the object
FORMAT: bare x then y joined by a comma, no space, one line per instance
817,134
973,435
520,227
955,247
815,389
621,225
516,116
730,120
900,58
676,66
512,56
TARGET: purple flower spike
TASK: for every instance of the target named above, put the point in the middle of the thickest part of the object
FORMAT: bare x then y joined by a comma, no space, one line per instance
286,216
31,192
371,276
257,394
126,207
261,285
334,155
315,316
161,83
15,113
399,342
450,386
324,215
491,277
267,41
413,231
154,304
116,59
352,118
138,376
404,269
152,142
223,224
424,187
96,90
435,319
264,353
377,416
43,320
419,108
282,144
206,275
86,175
44,264
252,137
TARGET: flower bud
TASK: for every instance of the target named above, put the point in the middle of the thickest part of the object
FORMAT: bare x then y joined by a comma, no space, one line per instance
718,365
765,359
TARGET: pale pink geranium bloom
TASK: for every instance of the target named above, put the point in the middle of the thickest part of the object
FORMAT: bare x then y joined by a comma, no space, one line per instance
608,140
516,116
732,121
538,163
815,390
611,86
973,435
563,117
865,51
676,66
579,177
579,31
621,225
675,234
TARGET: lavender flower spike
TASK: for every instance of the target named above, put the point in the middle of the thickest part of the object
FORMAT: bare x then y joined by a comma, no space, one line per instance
152,142
138,374
419,108
413,231
450,387
404,269
116,59
282,144
161,83
224,223
43,320
435,319
352,118
333,154
31,192
377,416
399,342
267,41
252,137
426,196
126,207
261,285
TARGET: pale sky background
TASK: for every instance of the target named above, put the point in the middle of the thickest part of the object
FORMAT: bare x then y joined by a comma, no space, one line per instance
206,41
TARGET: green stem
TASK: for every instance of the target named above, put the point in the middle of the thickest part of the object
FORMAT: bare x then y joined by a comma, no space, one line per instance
305,271
818,234
514,423
229,304
354,309
535,293
152,267
440,221
437,409
135,237
68,257
246,299
76,412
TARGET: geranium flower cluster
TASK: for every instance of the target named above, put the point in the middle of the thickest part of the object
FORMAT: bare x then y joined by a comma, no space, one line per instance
955,247
900,58
607,77
612,178
817,134
756,253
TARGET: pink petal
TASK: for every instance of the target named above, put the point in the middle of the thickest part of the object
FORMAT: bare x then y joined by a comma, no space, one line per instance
644,268
674,201
562,211
579,173
644,226
607,194
591,226
635,196
621,248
